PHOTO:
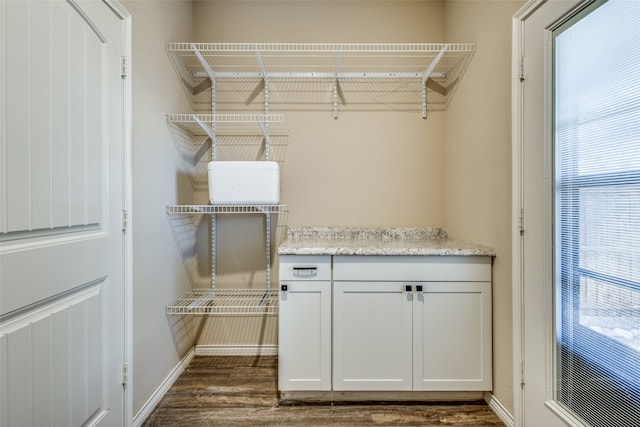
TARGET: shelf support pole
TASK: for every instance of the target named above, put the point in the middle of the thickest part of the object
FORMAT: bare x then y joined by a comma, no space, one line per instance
214,140
268,243
425,76
336,83
265,78
264,126
213,252
212,76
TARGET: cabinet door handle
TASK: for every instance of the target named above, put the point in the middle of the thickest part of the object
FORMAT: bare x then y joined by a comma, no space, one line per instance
284,288
419,288
408,288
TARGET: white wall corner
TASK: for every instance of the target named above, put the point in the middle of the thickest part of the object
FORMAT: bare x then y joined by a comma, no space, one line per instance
499,409
162,389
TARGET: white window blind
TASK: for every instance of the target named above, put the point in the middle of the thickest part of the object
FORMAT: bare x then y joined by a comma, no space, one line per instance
597,213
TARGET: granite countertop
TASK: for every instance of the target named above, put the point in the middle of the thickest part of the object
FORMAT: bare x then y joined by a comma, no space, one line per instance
432,241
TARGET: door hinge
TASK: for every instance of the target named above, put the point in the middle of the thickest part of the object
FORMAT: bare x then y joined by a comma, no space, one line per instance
521,222
522,374
125,374
521,69
124,67
125,220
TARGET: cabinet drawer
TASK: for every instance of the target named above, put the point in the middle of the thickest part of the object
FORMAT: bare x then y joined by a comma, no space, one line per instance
305,267
413,268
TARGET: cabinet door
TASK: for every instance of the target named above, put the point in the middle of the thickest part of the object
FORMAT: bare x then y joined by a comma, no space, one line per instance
452,336
304,327
372,336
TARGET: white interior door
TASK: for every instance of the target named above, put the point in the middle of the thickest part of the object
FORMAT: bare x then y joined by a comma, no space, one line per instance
62,311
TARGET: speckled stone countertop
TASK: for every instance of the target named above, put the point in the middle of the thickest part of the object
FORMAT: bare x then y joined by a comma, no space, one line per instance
377,241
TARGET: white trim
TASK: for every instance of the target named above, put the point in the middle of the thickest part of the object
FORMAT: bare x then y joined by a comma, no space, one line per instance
236,350
565,415
162,389
127,203
500,410
74,297
517,205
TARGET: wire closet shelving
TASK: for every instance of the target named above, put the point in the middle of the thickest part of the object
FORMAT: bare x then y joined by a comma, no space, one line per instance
192,133
226,302
252,79
321,76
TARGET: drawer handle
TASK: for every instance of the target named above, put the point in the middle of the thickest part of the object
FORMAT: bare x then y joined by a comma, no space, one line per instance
408,288
305,271
419,288
284,288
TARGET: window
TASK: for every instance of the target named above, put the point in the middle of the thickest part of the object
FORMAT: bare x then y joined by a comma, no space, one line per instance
597,213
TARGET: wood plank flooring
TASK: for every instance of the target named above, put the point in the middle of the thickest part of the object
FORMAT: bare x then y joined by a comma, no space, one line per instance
242,391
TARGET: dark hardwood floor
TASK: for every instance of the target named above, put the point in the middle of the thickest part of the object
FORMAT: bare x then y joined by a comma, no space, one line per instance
242,391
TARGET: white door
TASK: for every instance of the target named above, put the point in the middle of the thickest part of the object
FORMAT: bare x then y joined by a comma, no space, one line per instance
542,311
62,307
372,336
534,385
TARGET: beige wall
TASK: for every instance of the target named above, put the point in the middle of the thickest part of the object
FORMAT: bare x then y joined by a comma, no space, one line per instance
477,204
367,169
364,168
388,169
158,273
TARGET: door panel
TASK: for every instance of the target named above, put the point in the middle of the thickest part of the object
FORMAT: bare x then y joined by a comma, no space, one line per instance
56,374
304,336
61,244
452,336
53,111
372,336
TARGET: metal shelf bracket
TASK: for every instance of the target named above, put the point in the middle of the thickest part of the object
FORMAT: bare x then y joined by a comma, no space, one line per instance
205,65
211,133
425,76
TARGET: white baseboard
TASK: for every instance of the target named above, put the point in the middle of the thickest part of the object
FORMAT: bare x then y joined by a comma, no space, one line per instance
500,410
236,350
159,393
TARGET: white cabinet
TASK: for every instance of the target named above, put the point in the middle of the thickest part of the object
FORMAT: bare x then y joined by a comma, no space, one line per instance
372,338
385,323
304,324
408,334
452,336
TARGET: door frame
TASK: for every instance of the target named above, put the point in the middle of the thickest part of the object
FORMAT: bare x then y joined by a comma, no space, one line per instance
127,203
517,112
518,215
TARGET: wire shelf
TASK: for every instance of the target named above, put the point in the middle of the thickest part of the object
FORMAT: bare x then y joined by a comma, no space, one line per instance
226,209
231,124
321,76
227,302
